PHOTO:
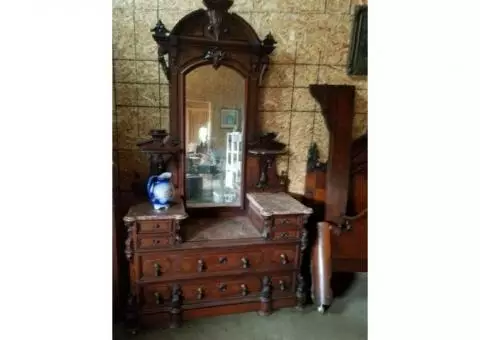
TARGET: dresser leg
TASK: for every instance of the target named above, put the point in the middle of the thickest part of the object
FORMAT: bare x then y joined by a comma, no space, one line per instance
131,315
266,297
323,296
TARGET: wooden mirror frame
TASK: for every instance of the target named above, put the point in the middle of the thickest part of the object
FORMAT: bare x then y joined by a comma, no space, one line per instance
213,36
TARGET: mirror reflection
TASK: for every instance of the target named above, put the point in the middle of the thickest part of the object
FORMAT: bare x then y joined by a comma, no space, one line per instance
214,111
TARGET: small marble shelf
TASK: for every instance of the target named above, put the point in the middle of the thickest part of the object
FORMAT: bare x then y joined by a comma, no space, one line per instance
279,203
145,212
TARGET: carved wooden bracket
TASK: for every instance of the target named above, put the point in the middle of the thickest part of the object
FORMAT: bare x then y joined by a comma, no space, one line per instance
161,149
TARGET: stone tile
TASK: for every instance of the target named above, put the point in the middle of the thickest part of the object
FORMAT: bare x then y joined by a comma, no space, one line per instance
321,136
146,4
278,76
278,122
283,27
360,124
311,29
145,46
149,118
123,33
361,101
305,75
185,5
242,5
122,4
171,17
296,176
303,100
127,127
289,5
338,6
124,71
147,72
164,95
125,94
337,75
338,37
148,95
276,99
301,133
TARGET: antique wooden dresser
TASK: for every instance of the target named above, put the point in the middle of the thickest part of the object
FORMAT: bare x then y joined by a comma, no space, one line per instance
233,239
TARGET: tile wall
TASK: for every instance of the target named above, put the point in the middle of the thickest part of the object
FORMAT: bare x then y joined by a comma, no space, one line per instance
313,40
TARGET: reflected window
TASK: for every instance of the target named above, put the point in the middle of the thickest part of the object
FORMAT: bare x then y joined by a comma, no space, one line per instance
214,109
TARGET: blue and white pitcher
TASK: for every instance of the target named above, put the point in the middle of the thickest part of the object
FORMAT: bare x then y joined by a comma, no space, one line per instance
160,190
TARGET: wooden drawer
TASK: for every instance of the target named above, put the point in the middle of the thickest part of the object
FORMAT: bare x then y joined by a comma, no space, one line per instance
283,256
218,289
196,291
182,263
283,284
282,234
153,241
286,220
157,226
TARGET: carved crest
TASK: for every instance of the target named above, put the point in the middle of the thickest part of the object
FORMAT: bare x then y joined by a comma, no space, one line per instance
217,10
215,55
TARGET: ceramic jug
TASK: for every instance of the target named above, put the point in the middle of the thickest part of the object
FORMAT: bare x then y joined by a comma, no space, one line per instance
160,190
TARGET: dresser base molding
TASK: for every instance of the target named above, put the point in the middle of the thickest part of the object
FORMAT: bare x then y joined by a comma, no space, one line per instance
152,320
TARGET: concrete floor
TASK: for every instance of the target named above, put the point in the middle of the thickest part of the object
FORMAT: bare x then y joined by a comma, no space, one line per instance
345,320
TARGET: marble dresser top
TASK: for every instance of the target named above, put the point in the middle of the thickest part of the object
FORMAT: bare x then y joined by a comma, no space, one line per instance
279,203
144,212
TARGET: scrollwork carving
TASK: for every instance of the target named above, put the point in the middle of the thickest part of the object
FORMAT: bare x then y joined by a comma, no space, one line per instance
161,35
216,56
266,296
217,10
129,224
176,307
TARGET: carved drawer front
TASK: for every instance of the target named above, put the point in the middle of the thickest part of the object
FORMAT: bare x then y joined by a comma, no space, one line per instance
153,241
159,226
217,289
283,284
156,294
286,220
219,262
281,234
283,256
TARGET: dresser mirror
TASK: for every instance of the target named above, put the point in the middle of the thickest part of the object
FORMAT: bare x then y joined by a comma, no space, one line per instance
214,156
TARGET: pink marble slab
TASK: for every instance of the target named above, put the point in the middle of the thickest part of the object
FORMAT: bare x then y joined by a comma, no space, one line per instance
221,228
279,203
144,212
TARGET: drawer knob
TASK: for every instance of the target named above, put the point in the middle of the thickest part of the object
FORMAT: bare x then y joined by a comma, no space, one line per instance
245,263
222,259
157,226
283,259
200,266
282,285
244,289
158,298
222,287
200,293
156,269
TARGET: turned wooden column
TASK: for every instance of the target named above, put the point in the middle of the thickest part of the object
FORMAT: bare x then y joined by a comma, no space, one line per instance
337,106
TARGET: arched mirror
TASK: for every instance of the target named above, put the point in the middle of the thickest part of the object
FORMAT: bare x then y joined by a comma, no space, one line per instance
215,104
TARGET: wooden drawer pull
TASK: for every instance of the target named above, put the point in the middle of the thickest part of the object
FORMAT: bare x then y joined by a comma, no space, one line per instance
200,266
157,226
245,263
156,268
222,259
283,259
158,298
200,293
282,285
222,287
244,289
155,242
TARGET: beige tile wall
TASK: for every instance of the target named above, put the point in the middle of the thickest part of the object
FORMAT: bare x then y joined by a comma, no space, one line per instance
313,40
